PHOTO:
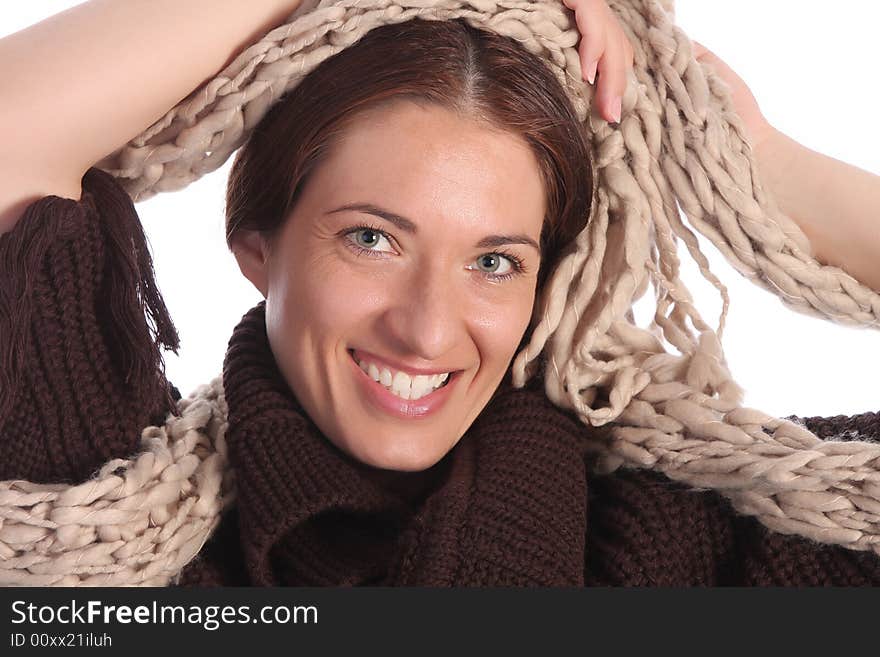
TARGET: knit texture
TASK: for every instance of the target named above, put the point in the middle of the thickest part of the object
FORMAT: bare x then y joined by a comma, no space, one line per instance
512,503
645,530
680,155
508,507
512,507
81,326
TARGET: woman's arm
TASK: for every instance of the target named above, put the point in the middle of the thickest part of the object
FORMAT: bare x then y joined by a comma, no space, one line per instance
836,204
82,83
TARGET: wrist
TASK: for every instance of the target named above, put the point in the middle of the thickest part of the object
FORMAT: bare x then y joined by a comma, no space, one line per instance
773,151
767,144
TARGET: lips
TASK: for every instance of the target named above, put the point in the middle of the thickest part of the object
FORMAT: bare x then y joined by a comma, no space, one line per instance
389,403
380,362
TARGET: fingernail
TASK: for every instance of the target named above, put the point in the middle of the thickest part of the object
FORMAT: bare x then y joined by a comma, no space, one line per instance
591,72
615,109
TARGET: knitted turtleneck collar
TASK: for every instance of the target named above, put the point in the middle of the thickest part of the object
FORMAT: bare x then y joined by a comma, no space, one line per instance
508,507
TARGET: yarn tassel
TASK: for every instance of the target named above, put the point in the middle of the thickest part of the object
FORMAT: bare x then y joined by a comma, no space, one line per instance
134,317
134,297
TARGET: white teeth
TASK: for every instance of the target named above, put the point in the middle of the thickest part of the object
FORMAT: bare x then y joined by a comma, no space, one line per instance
402,384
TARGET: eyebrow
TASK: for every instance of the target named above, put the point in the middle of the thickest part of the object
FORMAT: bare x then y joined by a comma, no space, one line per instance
409,226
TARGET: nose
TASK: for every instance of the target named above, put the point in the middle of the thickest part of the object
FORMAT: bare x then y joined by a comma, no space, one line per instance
426,316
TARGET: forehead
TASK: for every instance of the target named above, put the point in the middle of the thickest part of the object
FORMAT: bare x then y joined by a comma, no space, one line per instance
431,164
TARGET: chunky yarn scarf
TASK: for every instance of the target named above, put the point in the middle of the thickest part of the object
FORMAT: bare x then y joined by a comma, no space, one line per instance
679,143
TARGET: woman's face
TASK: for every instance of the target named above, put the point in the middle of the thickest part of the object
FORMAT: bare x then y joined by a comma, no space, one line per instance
431,283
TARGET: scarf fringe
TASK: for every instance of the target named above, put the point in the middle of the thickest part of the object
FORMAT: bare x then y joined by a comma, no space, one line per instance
138,326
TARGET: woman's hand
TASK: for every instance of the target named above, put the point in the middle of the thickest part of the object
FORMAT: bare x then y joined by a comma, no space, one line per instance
605,48
743,101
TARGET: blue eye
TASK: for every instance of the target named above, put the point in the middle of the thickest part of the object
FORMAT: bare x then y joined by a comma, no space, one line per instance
517,267
498,261
374,235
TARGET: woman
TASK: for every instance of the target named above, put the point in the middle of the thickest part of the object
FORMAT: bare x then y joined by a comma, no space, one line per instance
349,470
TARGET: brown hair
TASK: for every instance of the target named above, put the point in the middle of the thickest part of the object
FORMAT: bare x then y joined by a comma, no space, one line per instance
481,75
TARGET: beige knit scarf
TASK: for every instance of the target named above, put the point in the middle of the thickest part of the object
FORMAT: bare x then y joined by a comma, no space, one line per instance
679,142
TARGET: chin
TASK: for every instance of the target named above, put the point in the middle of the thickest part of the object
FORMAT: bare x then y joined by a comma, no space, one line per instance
401,460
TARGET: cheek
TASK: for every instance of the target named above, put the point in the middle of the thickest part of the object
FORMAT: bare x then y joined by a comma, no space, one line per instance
326,296
501,324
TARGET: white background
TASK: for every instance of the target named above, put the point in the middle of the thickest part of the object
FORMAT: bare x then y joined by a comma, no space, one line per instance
813,68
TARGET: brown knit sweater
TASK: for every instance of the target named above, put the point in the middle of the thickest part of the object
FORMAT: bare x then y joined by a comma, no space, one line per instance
81,328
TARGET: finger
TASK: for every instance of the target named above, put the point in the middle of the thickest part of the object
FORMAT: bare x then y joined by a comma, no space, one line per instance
613,70
591,47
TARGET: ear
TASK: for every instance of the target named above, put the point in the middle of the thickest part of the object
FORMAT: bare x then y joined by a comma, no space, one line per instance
251,251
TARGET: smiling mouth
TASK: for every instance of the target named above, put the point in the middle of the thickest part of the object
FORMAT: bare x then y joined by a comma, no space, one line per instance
449,378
